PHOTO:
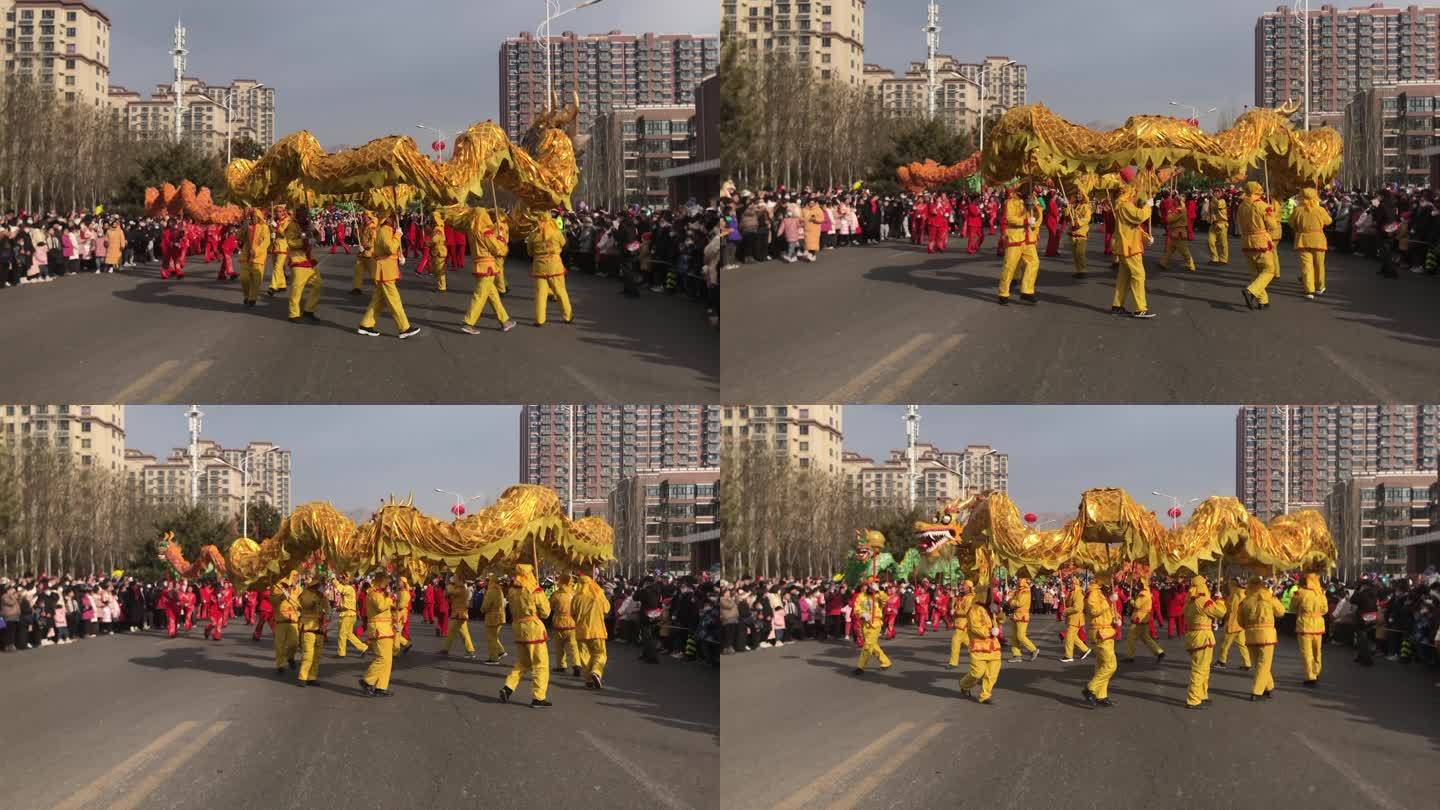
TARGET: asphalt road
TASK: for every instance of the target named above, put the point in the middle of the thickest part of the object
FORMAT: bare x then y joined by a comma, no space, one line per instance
801,731
889,323
142,721
131,337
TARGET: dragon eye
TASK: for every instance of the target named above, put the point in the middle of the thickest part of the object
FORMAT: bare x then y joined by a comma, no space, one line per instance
945,519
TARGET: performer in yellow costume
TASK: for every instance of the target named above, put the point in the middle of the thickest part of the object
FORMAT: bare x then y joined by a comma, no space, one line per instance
960,621
279,249
984,649
305,283
493,606
1022,230
590,608
1201,611
387,274
438,251
489,246
1219,238
1129,240
871,607
1258,245
459,598
1177,233
378,607
562,621
1233,631
1309,220
1258,613
545,244
1074,620
1080,215
529,607
314,609
254,254
285,608
1020,615
1103,621
1141,607
345,599
365,256
401,613
1310,607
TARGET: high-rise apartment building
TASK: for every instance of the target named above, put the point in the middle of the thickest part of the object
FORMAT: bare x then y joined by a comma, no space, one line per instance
1371,516
958,101
630,151
64,44
826,35
222,483
607,71
1351,49
94,434
1389,132
657,515
812,436
1327,443
613,442
204,120
943,475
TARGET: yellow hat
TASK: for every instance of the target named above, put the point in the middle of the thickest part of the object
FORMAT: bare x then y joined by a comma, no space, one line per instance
1310,195
1252,188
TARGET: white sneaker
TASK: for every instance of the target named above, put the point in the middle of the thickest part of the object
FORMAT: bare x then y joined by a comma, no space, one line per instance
1310,296
1066,660
1320,291
1016,659
782,644
1087,654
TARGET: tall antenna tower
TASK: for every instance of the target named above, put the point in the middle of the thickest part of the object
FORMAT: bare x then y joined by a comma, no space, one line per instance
194,415
932,44
912,438
178,54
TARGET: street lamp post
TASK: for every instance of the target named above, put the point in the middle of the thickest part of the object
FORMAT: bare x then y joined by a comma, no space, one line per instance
981,84
550,16
460,500
229,117
964,462
1174,518
1284,411
1194,110
444,135
244,470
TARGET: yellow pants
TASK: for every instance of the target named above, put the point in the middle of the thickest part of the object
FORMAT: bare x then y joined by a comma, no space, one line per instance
251,277
485,293
1264,270
277,275
312,644
1077,249
534,659
461,628
1142,632
304,287
493,648
1263,654
1104,667
1021,639
287,641
1072,640
437,266
592,656
1131,280
984,670
378,673
347,635
1310,654
388,297
959,639
544,288
1219,244
1312,269
500,277
1182,247
1237,640
362,272
1199,689
871,649
569,649
1024,260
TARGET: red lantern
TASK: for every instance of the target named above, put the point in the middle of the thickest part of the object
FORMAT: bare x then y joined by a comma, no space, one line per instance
1175,512
458,510
438,146
1030,517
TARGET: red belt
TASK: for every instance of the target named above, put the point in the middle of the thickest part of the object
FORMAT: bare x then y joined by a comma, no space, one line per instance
301,263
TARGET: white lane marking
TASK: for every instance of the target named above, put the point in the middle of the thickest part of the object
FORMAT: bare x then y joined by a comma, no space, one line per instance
878,776
655,788
1381,393
105,782
1367,789
808,795
134,798
866,378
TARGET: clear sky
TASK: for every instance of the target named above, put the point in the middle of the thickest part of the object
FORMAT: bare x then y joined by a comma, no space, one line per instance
361,69
1097,60
1058,452
357,455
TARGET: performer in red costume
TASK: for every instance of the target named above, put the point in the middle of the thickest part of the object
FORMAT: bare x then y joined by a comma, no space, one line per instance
1107,227
1190,218
215,615
339,240
892,610
454,246
992,215
228,245
442,612
940,610
939,225
922,604
265,612
1155,612
227,603
919,218
187,605
974,227
249,600
169,604
1052,224
212,243
427,598
413,238
853,627
207,606
1175,612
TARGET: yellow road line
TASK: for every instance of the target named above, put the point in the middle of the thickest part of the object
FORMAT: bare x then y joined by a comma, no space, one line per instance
131,392
893,391
811,793
866,378
158,776
878,776
92,792
176,388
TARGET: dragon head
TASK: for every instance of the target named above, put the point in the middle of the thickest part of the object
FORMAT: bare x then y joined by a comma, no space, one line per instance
944,531
868,543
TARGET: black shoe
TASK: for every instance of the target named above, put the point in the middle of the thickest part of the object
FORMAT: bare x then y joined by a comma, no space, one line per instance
295,319
1254,698
1160,657
857,672
595,679
575,671
366,688
384,693
1310,684
357,292
310,316
279,672
1118,311
1270,694
292,663
1143,314
1193,706
1089,697
965,693
1222,665
369,332
302,684
537,703
1077,275
1002,300
249,303
1028,298
1250,301
1127,660
411,332
1264,306
505,693
1107,703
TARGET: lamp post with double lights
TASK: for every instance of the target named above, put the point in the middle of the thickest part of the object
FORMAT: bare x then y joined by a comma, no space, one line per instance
1194,110
550,16
1175,510
458,509
229,117
244,470
981,84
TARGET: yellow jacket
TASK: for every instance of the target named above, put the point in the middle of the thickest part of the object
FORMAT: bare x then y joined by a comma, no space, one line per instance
493,605
960,610
1254,224
1020,604
489,244
1075,605
114,245
984,646
871,609
590,607
365,239
529,607
1258,613
1200,612
286,605
387,254
1129,219
257,244
1308,221
346,595
278,245
313,609
437,243
1233,598
403,597
545,244
297,244
1080,215
459,597
1177,224
1219,212
1310,606
1141,607
1100,613
378,606
560,616
1018,231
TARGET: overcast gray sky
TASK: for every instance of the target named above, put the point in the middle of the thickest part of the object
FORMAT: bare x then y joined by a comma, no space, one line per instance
1058,452
361,69
356,455
1096,60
